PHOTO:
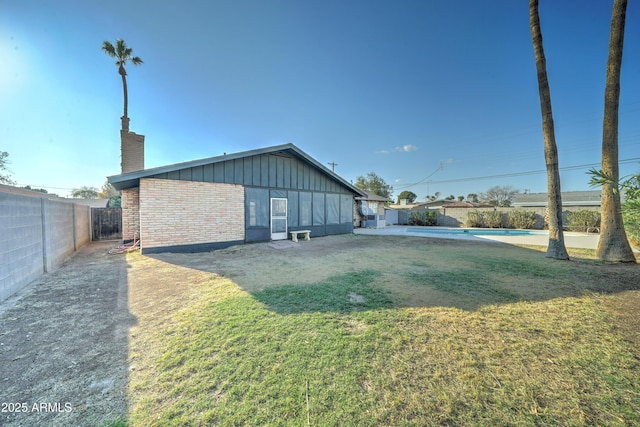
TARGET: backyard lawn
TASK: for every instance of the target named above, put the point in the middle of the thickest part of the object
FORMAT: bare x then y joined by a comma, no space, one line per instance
396,331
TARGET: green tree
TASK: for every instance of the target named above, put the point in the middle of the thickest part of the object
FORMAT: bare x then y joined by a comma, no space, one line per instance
500,195
109,192
613,244
435,196
460,198
372,183
84,192
5,174
123,54
631,206
472,197
39,190
556,248
410,196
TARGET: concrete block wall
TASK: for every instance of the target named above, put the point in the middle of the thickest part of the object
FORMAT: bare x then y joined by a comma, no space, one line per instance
176,212
21,242
36,235
82,220
59,241
130,203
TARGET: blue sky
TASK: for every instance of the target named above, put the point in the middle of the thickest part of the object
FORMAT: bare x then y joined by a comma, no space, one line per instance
443,94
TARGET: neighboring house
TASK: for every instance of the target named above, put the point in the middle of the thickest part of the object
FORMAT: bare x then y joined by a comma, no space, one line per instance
252,196
468,205
370,210
400,213
93,203
570,199
30,193
438,204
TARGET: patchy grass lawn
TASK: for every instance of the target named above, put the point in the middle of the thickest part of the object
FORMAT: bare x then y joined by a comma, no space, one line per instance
360,330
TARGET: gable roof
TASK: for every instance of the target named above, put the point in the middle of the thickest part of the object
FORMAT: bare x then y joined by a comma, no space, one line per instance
132,179
437,204
372,197
569,198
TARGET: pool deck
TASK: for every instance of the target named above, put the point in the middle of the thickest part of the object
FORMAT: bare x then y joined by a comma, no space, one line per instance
571,239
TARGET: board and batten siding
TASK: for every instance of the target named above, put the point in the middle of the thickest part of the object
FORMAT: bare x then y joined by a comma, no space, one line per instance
266,170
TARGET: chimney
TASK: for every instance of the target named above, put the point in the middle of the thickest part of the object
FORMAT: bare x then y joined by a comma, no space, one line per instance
132,151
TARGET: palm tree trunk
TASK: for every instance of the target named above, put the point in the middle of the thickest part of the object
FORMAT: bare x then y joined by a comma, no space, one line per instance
556,248
125,117
613,244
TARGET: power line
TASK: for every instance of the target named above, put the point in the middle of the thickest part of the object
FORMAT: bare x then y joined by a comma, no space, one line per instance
41,186
423,179
507,175
514,174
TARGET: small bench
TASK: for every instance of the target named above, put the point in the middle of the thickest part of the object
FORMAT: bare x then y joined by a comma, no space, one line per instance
294,234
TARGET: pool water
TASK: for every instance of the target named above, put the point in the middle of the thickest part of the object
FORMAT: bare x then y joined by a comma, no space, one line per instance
476,231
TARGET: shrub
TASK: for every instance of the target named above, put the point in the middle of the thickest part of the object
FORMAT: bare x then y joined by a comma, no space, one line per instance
492,219
489,219
423,218
519,218
631,218
583,220
631,209
474,219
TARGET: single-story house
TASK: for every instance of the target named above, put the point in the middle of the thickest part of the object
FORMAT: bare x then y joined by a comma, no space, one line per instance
252,196
92,203
370,211
574,199
400,213
438,204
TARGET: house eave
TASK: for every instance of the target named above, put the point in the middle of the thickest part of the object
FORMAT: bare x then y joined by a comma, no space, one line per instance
132,179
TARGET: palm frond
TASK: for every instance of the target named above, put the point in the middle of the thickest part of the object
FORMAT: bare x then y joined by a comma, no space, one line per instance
121,48
108,48
121,52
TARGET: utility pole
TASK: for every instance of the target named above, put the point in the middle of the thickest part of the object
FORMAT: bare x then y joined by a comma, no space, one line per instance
333,166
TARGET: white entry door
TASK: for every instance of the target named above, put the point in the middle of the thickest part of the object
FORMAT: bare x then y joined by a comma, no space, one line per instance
278,219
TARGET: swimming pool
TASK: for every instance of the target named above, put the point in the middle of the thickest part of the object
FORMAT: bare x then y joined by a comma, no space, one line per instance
476,231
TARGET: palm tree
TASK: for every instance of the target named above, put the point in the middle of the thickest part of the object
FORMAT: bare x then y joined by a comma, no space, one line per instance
613,244
122,53
556,248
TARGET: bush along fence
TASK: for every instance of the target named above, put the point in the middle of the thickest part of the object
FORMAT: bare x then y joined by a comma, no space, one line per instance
582,220
521,217
423,218
586,221
517,218
36,235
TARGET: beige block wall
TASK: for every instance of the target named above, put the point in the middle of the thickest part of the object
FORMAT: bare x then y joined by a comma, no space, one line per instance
186,212
130,203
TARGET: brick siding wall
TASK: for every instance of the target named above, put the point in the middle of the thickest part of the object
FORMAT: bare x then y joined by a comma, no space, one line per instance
132,151
130,203
187,212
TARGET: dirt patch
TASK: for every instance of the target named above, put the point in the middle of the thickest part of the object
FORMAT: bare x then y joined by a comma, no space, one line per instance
73,338
63,344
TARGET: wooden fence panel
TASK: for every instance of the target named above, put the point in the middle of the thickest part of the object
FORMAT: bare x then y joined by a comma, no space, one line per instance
106,223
